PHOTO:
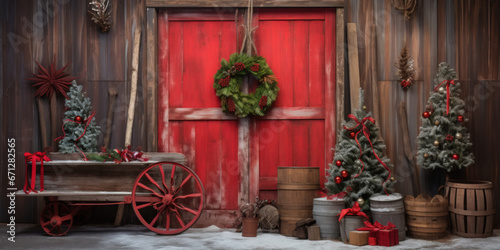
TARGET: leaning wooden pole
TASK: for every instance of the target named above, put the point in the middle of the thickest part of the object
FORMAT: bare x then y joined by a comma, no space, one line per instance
131,107
352,52
113,92
133,87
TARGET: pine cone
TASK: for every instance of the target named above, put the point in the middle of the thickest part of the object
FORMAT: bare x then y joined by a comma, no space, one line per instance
230,105
239,66
263,101
224,82
255,67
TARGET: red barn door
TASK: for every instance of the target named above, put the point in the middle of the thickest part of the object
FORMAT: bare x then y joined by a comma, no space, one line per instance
237,160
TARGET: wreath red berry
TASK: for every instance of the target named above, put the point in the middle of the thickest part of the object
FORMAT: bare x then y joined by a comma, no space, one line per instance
228,79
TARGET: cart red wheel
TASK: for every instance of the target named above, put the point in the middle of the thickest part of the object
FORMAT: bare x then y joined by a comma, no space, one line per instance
56,219
168,198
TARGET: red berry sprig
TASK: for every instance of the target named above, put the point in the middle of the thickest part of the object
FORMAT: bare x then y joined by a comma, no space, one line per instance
224,82
255,67
230,105
263,102
239,66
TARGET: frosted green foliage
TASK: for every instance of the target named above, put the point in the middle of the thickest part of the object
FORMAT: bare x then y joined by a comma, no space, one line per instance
372,178
440,156
78,105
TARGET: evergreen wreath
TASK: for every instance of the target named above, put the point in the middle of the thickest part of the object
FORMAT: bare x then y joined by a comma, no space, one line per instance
228,79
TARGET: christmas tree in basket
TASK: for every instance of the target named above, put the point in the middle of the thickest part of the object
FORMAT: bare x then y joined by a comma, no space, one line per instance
80,129
359,168
443,141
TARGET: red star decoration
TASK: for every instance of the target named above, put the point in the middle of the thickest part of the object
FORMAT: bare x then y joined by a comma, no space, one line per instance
48,82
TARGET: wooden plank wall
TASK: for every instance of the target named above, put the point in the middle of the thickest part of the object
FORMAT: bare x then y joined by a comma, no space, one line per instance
463,33
39,30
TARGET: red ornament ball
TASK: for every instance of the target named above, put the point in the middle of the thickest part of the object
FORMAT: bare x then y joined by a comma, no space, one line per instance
338,179
426,114
455,157
344,173
338,163
78,119
352,135
460,118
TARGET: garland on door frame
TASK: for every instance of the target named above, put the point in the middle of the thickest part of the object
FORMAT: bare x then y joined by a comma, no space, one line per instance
228,79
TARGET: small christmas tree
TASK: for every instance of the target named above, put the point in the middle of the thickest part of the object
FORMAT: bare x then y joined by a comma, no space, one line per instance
359,168
77,127
443,141
405,71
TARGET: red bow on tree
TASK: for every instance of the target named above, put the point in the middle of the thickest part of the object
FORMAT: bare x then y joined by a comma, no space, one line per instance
448,82
366,132
354,210
38,156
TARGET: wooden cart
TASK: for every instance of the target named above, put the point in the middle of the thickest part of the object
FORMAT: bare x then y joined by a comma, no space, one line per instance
166,196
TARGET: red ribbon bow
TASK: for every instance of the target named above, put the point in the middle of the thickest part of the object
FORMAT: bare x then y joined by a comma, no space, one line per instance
87,122
366,132
376,226
38,156
129,155
340,195
448,82
354,210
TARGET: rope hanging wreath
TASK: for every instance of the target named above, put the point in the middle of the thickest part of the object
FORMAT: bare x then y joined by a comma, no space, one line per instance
228,79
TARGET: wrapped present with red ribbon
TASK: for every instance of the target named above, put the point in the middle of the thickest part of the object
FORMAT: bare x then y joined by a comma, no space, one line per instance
381,235
29,186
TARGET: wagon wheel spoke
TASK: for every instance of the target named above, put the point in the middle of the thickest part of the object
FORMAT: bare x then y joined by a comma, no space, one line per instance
154,183
188,196
172,179
66,217
46,223
163,178
167,214
156,218
149,189
180,206
146,205
182,184
178,216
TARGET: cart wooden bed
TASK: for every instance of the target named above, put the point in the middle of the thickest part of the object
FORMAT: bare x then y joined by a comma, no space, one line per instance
166,196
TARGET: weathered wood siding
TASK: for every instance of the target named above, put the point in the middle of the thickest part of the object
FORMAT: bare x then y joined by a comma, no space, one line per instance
39,30
462,33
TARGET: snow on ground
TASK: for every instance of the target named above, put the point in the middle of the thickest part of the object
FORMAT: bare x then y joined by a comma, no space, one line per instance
138,237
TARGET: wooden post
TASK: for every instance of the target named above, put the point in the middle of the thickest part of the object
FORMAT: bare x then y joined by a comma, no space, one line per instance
352,51
403,121
53,120
113,92
339,92
375,97
43,126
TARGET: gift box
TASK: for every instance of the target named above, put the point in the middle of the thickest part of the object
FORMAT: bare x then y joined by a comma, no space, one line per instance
381,235
349,220
388,238
358,238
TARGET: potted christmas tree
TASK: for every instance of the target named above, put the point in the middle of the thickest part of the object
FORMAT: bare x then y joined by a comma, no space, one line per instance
443,143
79,127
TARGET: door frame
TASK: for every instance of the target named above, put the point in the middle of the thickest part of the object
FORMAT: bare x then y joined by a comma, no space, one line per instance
150,74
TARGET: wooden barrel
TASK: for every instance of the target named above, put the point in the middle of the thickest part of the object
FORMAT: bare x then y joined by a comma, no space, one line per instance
426,218
389,208
350,223
297,188
326,213
471,207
